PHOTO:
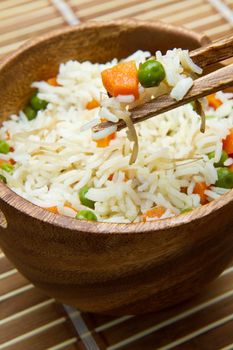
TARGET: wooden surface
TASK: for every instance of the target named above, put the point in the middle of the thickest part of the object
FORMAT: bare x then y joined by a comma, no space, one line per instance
31,321
204,323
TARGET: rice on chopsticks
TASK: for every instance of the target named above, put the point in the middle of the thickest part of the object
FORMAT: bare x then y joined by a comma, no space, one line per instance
140,78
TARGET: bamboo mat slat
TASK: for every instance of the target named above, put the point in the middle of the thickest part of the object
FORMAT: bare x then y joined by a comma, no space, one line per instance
21,20
30,320
14,281
5,265
9,3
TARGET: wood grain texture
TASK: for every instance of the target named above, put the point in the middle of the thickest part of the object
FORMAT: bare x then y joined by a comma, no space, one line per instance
5,265
97,322
214,52
13,282
217,338
48,338
169,333
195,14
33,325
32,320
103,267
21,302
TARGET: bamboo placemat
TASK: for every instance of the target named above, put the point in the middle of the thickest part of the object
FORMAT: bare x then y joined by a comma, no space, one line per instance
31,321
24,19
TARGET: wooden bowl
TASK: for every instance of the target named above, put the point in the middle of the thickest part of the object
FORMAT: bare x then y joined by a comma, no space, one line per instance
104,267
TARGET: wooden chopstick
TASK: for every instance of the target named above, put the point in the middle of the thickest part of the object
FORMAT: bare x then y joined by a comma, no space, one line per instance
210,83
218,80
215,52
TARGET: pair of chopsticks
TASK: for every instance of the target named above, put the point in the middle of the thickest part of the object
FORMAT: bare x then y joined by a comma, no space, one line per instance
206,85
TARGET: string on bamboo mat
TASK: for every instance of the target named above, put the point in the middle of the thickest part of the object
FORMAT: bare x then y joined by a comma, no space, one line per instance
223,9
66,12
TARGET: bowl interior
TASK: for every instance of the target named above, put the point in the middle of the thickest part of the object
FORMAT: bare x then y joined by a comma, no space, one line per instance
98,42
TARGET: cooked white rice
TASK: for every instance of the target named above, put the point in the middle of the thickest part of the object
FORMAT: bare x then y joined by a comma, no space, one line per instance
55,159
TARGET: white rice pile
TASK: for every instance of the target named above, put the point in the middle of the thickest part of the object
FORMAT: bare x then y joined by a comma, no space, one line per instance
178,67
54,159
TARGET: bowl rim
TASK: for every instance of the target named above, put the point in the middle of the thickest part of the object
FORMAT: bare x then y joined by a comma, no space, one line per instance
201,37
102,228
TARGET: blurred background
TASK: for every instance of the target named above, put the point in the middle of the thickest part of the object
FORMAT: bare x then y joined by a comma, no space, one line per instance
23,19
30,320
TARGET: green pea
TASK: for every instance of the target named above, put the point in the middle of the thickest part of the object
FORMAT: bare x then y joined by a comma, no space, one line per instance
4,147
151,73
85,201
86,215
38,104
185,210
220,163
3,179
225,178
7,167
30,112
